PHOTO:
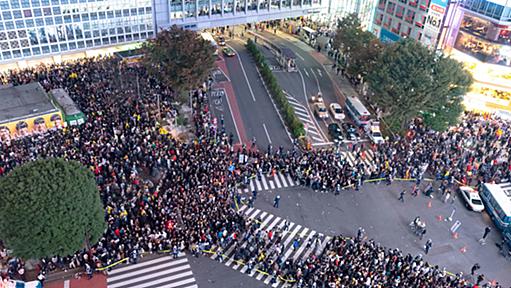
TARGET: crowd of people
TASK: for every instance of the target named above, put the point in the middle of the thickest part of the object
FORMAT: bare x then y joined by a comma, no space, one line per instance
163,194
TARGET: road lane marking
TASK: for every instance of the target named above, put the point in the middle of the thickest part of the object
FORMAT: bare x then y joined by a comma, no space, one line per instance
308,105
306,73
267,134
300,56
319,72
244,73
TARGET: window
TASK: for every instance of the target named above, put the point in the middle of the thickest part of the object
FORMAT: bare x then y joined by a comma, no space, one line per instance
7,15
47,11
56,10
46,49
38,12
17,14
4,5
36,3
14,4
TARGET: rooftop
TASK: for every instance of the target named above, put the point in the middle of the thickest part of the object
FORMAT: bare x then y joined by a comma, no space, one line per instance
20,102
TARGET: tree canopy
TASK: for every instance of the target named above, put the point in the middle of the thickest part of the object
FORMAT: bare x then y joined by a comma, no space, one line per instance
179,58
409,80
50,207
359,48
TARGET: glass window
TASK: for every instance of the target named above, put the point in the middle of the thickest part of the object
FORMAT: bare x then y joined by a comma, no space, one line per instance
56,10
228,6
4,5
76,18
203,7
17,14
47,11
216,6
94,16
55,2
38,12
118,13
36,3
81,44
9,25
58,20
16,54
7,15
45,49
89,43
20,24
6,55
133,11
30,22
15,4
36,51
54,48
63,47
110,14
2,26
85,17
67,19
72,46
148,10
48,21
45,2
240,5
25,3
26,52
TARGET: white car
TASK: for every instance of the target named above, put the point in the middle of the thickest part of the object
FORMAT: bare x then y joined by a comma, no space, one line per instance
375,135
337,112
472,199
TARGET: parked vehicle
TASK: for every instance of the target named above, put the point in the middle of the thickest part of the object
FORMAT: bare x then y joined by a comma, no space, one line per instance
374,133
337,112
350,131
471,198
335,132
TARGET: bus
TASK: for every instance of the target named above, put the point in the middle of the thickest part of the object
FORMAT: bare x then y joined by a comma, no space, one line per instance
307,34
208,37
357,111
497,199
72,115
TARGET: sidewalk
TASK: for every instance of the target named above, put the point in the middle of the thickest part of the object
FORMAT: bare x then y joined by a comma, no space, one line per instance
98,281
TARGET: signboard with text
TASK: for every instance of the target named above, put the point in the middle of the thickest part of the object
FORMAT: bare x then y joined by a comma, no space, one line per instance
433,24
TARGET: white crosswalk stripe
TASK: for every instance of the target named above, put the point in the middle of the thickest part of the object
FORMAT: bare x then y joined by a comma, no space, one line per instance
160,272
267,182
267,223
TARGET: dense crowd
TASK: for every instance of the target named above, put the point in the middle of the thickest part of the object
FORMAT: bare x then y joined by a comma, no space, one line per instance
163,194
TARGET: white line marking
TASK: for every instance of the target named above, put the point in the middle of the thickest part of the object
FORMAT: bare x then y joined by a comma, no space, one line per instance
143,264
317,80
308,105
267,134
244,73
306,73
302,113
154,275
319,72
167,265
232,116
66,284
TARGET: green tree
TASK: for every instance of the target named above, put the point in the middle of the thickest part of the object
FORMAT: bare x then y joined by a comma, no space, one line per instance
50,207
409,80
359,48
179,58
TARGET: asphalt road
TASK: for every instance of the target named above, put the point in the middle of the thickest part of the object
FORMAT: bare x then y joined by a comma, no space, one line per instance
258,114
376,208
311,78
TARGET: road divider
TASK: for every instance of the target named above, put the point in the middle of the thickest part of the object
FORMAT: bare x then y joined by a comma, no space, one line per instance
291,120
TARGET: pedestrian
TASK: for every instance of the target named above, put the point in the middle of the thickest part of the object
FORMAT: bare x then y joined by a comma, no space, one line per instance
276,201
251,202
88,270
402,196
474,268
360,233
487,231
423,232
175,252
428,246
296,243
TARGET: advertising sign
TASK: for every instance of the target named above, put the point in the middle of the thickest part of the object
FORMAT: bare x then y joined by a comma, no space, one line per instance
433,24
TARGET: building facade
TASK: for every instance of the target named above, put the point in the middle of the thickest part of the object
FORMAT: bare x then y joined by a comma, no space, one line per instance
479,34
364,9
421,20
32,29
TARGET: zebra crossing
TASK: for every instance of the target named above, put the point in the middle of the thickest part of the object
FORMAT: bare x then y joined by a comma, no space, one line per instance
270,222
161,272
266,183
281,180
303,114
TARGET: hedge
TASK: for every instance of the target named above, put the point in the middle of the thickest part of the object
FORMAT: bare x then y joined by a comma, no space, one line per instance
288,113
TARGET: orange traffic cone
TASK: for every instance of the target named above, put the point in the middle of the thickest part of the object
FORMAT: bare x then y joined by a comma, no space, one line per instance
455,235
440,218
429,204
463,249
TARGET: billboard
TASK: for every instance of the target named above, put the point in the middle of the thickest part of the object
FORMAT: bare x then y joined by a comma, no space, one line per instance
433,24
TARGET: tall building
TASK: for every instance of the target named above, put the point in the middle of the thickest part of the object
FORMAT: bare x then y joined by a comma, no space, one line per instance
479,34
363,8
50,29
417,19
